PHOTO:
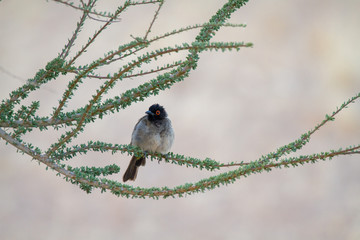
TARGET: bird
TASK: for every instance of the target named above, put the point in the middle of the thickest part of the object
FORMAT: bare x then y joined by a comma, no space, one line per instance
152,133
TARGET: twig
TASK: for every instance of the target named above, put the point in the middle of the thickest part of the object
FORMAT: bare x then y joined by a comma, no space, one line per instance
153,20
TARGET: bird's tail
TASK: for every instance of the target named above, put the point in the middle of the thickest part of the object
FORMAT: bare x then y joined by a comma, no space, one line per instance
131,171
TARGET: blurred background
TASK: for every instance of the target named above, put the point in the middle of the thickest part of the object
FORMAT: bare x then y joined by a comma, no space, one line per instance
236,106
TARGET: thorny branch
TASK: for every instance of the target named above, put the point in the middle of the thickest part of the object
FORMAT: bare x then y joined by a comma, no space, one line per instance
16,123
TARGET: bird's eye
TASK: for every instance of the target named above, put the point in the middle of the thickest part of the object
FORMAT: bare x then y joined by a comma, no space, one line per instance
157,112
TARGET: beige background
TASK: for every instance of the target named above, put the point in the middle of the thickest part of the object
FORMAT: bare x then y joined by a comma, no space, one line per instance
235,106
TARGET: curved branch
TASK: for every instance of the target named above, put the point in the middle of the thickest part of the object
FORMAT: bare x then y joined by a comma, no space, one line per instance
100,14
69,118
88,177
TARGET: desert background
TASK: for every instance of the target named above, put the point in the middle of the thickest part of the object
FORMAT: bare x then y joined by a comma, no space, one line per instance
236,106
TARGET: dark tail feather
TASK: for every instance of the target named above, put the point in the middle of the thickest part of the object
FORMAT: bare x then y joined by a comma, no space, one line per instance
131,171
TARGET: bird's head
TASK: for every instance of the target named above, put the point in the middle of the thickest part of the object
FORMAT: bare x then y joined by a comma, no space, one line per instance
156,112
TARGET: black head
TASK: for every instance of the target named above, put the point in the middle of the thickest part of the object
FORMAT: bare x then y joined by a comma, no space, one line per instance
156,112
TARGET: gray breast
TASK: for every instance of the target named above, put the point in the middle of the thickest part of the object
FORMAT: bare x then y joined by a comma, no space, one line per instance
154,137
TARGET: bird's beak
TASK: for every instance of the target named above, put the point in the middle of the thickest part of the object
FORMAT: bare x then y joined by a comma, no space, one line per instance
150,113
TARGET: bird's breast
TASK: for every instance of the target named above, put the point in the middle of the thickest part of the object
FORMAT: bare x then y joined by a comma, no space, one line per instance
153,137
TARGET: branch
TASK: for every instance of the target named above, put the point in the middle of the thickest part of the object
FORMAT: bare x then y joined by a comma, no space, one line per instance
65,52
51,71
24,119
153,20
69,118
87,10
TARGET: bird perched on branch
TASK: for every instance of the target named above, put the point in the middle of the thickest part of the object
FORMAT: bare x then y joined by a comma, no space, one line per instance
153,133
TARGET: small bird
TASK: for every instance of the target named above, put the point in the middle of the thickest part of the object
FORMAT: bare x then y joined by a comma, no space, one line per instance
153,133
